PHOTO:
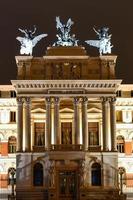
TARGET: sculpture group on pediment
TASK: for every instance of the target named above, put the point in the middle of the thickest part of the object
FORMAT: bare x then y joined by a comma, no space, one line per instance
104,41
29,40
64,38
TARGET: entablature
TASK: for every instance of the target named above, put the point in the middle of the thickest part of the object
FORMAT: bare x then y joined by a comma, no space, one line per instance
91,88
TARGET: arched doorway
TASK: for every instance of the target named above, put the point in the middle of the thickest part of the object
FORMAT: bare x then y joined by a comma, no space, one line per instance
96,174
38,174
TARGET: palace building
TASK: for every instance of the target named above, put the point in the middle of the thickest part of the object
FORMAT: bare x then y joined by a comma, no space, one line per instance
66,126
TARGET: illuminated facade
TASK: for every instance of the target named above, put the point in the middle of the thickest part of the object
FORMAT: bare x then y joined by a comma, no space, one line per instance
72,116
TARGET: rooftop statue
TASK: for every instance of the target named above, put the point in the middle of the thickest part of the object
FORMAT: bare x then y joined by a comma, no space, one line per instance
64,38
29,40
104,42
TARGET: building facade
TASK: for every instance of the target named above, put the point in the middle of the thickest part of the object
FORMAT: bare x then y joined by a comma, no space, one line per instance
73,127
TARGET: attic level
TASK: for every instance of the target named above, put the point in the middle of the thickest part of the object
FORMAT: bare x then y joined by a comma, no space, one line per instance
66,63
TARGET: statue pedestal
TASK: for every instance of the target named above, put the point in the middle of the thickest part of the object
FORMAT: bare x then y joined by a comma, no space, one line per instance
66,51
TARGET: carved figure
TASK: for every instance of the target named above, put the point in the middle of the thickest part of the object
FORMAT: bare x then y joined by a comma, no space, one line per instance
104,42
64,38
29,40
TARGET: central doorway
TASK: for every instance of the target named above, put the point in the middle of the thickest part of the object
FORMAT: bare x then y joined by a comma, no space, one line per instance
67,185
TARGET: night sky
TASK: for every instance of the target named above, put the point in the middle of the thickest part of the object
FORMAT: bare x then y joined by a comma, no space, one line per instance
115,14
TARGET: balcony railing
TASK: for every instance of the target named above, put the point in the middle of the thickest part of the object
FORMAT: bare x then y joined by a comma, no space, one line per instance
66,147
39,148
94,148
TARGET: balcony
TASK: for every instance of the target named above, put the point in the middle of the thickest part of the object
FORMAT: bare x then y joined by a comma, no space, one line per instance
39,148
66,147
94,148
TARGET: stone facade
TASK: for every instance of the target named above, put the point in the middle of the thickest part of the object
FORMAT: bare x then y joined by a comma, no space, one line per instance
67,125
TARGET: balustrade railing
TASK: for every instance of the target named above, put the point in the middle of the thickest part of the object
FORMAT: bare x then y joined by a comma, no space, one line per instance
66,147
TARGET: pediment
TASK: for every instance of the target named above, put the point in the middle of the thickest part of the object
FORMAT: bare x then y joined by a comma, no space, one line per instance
66,110
38,110
94,110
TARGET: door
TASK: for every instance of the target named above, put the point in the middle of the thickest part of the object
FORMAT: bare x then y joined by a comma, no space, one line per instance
67,187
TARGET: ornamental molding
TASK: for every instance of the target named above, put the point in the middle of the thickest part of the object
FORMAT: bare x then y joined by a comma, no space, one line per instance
65,57
7,102
124,101
65,87
38,110
94,110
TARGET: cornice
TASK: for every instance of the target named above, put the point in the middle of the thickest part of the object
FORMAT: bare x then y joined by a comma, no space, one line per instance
65,87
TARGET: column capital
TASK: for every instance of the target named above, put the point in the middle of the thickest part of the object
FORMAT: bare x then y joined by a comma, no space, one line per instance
84,100
48,100
76,100
19,100
56,100
104,99
27,100
112,100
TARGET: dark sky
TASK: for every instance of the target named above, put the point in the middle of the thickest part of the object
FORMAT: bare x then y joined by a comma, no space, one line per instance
116,14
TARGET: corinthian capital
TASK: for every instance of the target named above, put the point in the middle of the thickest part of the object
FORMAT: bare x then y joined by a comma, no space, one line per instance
104,99
27,100
19,100
84,100
76,100
112,99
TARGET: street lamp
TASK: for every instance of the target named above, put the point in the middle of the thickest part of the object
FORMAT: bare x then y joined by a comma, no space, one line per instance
121,171
12,173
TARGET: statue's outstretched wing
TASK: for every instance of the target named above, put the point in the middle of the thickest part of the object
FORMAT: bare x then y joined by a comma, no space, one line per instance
69,23
20,39
94,43
38,38
58,23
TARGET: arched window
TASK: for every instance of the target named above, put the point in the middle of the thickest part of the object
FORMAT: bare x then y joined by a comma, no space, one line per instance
11,175
120,144
12,144
38,174
96,174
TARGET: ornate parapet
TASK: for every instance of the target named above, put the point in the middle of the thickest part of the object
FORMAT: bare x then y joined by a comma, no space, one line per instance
63,63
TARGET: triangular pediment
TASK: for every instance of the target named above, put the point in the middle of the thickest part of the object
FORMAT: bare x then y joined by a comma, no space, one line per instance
38,110
94,110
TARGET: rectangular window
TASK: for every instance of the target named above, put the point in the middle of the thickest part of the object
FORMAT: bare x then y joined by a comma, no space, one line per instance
12,94
39,134
66,132
93,131
12,116
118,93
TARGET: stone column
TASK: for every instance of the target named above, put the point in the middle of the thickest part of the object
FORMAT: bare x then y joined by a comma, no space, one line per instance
113,123
85,123
27,123
56,120
76,120
19,124
105,106
48,123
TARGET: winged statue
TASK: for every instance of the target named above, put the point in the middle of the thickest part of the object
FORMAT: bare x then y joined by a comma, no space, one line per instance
104,42
29,40
64,38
